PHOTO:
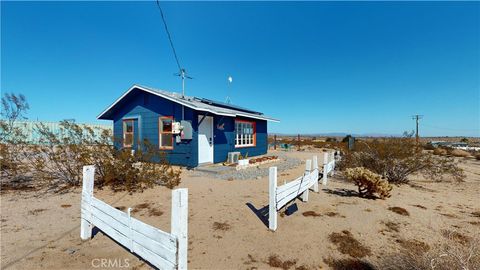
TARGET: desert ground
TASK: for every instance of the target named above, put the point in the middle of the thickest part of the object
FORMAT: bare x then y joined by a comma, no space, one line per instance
40,230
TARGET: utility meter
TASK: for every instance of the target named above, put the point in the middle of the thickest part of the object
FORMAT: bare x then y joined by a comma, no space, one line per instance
176,128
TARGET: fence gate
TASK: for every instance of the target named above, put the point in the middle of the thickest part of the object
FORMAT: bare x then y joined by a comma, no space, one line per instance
161,249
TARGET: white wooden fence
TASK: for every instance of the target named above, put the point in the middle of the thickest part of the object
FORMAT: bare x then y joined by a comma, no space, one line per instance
328,165
161,249
279,196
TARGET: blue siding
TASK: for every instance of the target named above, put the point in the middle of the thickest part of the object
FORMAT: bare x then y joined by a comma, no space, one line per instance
147,108
224,140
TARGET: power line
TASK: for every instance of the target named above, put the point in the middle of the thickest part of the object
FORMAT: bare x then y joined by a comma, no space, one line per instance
182,73
169,37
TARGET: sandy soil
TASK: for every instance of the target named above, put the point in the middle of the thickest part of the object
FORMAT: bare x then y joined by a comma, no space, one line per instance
41,231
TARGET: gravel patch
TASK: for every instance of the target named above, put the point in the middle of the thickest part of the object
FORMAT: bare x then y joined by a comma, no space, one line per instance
285,163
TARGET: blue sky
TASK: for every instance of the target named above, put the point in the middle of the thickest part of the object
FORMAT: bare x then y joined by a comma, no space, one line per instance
319,67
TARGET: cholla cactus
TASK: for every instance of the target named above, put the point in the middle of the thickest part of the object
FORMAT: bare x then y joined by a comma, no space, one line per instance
368,182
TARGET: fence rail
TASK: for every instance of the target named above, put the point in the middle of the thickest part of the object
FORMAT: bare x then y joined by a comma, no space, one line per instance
279,196
163,250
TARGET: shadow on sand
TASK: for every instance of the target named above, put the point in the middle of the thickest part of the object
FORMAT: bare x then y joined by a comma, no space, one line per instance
342,192
96,230
261,213
347,193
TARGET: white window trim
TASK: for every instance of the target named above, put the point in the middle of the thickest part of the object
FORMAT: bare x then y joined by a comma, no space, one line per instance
249,139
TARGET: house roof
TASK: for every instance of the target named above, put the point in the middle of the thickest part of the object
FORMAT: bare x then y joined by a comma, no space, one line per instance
195,103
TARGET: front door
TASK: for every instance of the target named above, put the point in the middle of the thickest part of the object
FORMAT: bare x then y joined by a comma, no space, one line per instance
205,139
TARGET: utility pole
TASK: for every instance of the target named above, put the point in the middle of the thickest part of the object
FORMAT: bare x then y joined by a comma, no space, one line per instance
298,139
417,117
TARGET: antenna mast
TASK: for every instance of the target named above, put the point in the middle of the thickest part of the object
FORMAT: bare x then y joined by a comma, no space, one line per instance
183,74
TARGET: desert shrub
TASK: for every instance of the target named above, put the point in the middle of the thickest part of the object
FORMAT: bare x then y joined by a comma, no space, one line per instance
13,141
369,183
477,156
397,158
147,166
449,254
347,244
60,157
459,153
440,151
429,146
275,261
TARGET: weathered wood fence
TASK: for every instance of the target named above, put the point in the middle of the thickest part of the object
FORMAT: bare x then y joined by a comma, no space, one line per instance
161,249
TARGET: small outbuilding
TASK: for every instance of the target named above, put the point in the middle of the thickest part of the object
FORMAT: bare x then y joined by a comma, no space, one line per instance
190,130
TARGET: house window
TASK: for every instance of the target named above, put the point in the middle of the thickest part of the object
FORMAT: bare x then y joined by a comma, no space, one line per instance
245,133
165,135
128,132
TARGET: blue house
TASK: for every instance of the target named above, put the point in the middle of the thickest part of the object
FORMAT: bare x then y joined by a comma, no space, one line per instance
190,130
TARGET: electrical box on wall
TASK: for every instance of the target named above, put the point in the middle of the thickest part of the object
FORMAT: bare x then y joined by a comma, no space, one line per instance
187,130
176,128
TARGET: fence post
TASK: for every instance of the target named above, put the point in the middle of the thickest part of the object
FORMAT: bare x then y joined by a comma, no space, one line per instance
272,206
333,163
325,163
306,178
275,142
315,176
179,224
87,194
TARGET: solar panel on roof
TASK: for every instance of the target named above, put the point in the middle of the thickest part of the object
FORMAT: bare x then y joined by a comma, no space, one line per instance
225,105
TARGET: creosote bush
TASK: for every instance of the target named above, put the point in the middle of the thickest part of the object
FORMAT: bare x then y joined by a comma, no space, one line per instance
13,140
449,254
369,183
56,161
397,158
122,170
60,158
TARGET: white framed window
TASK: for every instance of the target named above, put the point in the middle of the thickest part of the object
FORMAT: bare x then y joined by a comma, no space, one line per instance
245,133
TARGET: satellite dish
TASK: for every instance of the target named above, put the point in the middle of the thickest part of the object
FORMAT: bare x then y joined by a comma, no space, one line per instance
230,79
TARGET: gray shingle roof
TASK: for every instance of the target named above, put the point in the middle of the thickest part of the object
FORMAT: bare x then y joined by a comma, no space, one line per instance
195,103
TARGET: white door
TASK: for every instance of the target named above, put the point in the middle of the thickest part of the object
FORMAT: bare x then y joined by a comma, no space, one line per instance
205,139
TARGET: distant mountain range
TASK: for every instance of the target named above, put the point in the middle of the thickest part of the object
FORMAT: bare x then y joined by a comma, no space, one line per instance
338,134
